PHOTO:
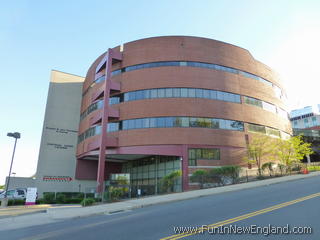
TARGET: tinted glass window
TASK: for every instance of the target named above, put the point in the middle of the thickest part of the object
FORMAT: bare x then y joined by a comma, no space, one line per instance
191,92
161,122
169,92
185,122
199,93
161,93
184,92
154,93
176,92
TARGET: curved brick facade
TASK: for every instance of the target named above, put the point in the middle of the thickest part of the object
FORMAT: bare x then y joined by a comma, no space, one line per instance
230,69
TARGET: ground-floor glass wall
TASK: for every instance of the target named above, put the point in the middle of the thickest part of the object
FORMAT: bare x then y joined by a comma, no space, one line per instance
146,174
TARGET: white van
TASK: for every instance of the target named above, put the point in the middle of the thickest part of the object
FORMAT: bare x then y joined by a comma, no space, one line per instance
19,193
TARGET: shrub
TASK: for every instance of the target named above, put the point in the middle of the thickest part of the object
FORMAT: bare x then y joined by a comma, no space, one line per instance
87,202
232,171
268,166
313,168
73,200
200,176
296,167
40,201
116,193
49,197
13,202
61,198
282,168
219,174
167,182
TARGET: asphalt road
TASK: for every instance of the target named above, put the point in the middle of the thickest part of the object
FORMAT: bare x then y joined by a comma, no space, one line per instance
290,205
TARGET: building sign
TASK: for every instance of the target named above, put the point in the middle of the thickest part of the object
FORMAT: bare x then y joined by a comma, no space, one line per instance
61,130
57,178
60,146
31,196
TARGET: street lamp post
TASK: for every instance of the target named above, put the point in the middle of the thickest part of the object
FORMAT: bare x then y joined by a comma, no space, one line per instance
16,136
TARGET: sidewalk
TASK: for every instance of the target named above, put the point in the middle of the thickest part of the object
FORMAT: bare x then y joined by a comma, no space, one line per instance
62,213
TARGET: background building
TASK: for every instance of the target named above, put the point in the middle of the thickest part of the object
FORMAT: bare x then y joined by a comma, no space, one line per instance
306,122
306,118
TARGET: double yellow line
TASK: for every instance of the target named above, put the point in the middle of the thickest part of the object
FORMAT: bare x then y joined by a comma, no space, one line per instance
236,219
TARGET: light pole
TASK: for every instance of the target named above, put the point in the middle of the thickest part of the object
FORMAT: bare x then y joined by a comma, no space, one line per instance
16,136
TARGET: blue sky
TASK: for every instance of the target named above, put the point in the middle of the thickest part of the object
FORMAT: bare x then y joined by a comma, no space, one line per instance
37,36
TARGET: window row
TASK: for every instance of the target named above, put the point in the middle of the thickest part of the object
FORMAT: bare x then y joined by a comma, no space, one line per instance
277,90
98,80
181,93
255,128
94,106
190,64
266,106
168,122
92,131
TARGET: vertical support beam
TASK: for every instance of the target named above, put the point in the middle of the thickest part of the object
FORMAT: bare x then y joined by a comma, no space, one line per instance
185,171
105,115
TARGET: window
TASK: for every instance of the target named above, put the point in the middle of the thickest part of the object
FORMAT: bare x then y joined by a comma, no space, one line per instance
131,124
199,93
185,122
176,92
153,122
169,93
191,92
145,123
253,101
215,123
206,93
139,95
139,123
160,122
184,92
112,127
277,91
220,96
213,94
169,121
203,153
256,128
161,93
273,132
154,93
269,107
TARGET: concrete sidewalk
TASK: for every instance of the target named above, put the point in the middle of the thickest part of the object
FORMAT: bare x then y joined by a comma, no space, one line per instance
61,213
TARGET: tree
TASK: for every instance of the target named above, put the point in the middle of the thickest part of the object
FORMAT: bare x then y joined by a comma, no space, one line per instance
291,151
259,147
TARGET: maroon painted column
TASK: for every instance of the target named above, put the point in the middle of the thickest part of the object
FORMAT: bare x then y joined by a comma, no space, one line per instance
105,115
185,171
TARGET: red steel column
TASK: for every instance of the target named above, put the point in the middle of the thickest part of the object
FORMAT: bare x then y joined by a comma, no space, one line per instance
185,171
105,115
